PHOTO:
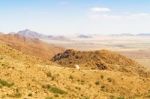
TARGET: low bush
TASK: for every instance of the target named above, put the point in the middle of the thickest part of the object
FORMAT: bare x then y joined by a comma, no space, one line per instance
97,83
54,89
5,83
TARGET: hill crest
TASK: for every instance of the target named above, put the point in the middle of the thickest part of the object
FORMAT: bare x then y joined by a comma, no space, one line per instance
101,60
30,46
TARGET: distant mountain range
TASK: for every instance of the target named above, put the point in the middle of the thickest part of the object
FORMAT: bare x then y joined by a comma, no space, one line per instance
84,36
129,34
30,34
143,34
33,34
123,34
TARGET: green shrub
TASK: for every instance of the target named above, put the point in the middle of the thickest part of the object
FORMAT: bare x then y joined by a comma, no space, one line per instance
102,76
121,97
30,94
148,96
49,98
78,88
82,82
5,83
53,78
54,89
103,88
97,83
4,64
109,79
49,74
85,97
71,77
56,95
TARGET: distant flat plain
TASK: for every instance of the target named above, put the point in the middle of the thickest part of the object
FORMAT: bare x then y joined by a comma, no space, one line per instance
135,47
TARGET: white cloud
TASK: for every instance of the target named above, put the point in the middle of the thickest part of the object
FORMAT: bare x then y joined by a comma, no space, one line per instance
100,9
120,16
119,23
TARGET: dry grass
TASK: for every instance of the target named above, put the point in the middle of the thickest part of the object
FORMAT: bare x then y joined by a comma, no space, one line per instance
29,46
29,74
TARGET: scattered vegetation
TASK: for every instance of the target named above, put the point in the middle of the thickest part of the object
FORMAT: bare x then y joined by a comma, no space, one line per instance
102,88
82,82
49,74
56,95
49,98
102,77
5,83
148,96
121,97
78,88
101,60
54,89
109,79
71,77
97,82
85,97
112,97
53,77
4,64
17,94
30,94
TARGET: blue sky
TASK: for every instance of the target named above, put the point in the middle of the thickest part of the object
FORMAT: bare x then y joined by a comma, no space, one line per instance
69,17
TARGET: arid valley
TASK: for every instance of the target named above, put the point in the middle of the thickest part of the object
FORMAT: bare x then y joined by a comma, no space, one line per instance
74,49
135,47
109,67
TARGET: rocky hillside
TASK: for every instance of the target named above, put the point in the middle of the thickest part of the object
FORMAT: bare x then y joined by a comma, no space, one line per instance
101,60
30,46
26,77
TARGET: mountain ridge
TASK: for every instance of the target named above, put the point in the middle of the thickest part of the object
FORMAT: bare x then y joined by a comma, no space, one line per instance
30,46
99,60
33,34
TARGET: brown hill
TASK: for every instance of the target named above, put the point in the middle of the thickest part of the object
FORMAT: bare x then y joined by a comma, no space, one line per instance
102,60
26,77
30,46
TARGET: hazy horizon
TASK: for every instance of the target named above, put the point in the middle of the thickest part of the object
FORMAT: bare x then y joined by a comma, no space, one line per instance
75,16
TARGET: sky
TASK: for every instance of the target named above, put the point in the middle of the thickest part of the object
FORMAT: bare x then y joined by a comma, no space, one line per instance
69,17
